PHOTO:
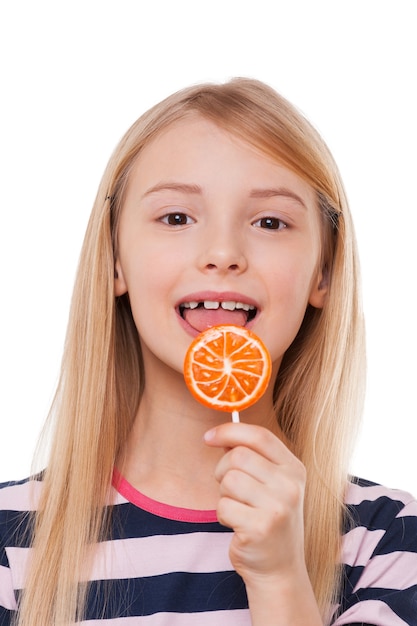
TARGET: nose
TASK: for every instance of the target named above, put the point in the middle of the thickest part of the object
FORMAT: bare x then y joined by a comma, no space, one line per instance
222,253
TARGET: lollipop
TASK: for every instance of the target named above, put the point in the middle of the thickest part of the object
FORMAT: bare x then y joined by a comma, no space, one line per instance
227,368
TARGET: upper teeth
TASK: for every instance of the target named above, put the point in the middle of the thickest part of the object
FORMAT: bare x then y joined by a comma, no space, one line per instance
229,305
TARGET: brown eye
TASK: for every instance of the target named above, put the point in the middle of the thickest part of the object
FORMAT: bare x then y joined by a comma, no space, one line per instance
176,219
270,223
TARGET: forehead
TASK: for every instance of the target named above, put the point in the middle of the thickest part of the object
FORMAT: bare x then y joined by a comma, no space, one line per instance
196,147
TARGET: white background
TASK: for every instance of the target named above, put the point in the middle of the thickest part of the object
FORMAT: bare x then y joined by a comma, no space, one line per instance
75,75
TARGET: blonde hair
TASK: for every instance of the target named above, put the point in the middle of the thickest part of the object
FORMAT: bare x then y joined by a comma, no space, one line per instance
318,392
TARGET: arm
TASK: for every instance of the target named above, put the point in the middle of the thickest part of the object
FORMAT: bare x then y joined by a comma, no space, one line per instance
261,498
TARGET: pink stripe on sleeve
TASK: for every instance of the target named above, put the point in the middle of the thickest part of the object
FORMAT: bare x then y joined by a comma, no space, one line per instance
359,544
409,509
18,560
397,570
7,598
371,612
24,497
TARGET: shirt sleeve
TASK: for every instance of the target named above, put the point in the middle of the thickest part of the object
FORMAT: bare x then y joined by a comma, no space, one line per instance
380,581
8,519
7,596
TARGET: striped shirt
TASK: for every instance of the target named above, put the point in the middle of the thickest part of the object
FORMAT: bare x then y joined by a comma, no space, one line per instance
170,566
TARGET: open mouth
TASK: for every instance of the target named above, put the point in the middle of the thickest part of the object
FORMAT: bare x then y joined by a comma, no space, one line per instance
204,314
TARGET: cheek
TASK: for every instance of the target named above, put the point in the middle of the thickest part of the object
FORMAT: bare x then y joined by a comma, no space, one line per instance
289,303
141,263
294,280
149,276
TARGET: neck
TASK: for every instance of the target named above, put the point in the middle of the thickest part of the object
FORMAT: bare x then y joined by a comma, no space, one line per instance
165,456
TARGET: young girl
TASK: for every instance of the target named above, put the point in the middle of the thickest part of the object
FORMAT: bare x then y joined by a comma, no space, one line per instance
220,205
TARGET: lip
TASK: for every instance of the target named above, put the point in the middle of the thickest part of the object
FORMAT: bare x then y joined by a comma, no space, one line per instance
215,296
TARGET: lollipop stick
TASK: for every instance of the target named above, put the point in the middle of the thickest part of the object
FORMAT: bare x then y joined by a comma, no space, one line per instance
235,417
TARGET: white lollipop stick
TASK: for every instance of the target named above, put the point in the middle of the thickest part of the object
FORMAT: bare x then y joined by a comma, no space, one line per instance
235,417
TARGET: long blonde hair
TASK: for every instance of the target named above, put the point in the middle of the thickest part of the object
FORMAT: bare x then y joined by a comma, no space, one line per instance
318,392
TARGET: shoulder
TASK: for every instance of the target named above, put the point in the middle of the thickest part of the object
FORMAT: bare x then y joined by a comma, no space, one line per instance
375,507
360,489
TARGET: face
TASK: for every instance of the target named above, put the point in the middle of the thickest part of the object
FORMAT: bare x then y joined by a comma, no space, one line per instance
214,232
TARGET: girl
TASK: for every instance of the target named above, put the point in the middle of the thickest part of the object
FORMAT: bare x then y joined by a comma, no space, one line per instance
220,205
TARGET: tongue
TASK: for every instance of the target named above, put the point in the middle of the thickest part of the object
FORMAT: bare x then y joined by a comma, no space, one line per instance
201,318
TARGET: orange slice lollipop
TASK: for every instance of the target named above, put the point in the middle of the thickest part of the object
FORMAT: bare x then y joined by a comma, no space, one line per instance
227,368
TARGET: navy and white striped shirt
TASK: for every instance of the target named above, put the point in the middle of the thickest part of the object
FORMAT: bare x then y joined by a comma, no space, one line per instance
170,566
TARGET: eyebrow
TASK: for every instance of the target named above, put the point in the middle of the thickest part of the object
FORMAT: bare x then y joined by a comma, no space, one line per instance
277,192
254,193
172,186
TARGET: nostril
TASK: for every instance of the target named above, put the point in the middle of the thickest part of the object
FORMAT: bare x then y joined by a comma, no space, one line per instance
222,262
213,266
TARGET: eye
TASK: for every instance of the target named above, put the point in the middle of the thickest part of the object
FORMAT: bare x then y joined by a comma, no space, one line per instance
176,219
270,223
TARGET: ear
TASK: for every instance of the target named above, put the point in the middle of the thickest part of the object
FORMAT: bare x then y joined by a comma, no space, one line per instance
120,286
318,294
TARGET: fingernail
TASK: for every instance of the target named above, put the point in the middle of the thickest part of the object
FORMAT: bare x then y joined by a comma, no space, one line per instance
210,434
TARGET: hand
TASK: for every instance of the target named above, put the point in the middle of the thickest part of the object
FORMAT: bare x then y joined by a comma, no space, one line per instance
261,497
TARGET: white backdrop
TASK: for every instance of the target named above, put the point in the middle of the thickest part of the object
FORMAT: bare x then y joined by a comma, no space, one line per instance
76,74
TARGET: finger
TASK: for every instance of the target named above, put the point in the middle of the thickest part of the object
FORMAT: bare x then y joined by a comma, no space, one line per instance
251,524
257,438
236,515
246,460
239,486
277,488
